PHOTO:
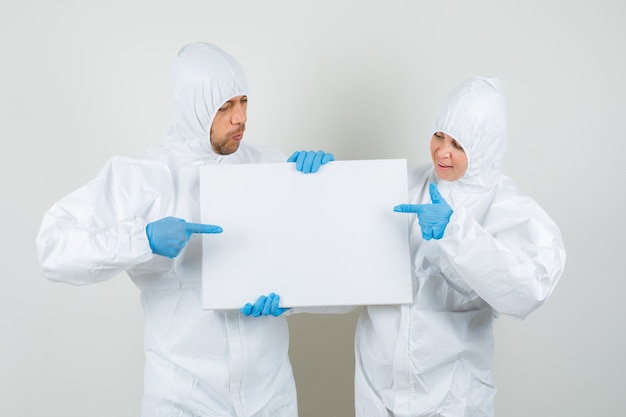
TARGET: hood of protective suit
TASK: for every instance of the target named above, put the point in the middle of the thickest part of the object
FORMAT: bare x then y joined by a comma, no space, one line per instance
474,114
204,77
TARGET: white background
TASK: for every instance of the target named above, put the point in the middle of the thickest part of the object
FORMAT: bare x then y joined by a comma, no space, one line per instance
81,81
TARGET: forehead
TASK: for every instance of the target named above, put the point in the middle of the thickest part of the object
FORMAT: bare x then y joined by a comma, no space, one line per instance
237,98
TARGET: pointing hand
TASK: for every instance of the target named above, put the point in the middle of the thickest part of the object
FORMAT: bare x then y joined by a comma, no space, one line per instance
168,236
433,218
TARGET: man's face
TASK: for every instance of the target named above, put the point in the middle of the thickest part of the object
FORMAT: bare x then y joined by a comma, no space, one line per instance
448,156
228,125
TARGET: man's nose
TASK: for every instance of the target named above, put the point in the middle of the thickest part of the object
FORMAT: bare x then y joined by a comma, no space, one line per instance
239,114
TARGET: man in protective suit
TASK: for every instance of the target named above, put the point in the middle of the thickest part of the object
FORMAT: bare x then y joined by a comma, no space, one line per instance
139,214
480,247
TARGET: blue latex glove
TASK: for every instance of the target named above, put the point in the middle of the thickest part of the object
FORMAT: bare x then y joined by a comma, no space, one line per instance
168,236
310,161
433,218
264,306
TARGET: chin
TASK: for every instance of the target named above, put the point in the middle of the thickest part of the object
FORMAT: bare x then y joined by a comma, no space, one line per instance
227,150
233,149
448,178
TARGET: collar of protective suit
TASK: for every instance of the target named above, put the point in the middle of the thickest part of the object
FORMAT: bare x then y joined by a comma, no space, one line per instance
204,77
474,114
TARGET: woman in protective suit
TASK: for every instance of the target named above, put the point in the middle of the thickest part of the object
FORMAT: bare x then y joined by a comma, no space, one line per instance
480,247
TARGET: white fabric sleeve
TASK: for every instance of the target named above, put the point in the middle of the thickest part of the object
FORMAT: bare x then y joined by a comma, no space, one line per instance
513,262
98,231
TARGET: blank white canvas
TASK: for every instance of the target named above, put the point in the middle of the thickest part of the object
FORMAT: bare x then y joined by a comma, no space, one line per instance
325,239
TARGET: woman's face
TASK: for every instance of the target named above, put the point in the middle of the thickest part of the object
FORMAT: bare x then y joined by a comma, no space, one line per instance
448,156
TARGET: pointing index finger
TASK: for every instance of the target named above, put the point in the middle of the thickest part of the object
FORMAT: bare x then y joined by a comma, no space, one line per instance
406,208
203,228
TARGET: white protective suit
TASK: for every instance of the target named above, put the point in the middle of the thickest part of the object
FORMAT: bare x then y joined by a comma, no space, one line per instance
198,363
500,254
